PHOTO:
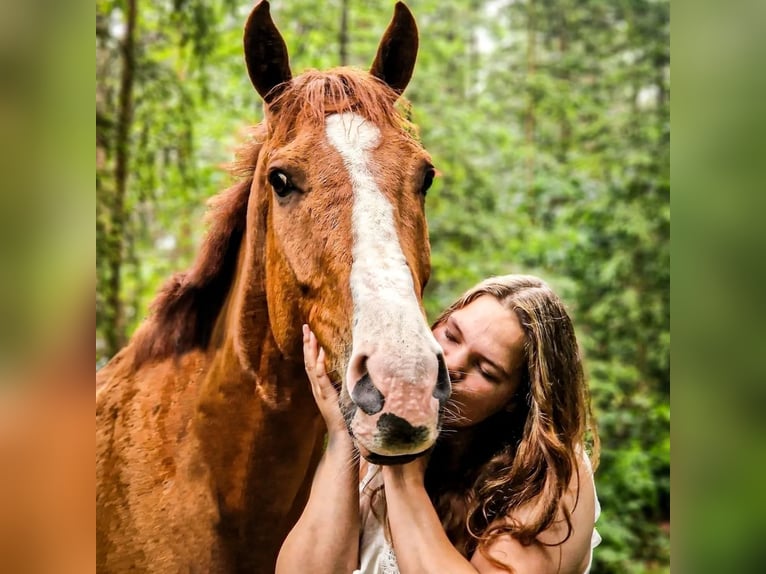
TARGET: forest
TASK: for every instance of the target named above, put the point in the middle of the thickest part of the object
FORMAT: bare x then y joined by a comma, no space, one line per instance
549,124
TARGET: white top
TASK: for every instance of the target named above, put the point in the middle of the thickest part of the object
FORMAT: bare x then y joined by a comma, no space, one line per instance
376,555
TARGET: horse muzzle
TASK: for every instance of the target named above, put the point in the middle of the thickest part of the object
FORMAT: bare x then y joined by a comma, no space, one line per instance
395,405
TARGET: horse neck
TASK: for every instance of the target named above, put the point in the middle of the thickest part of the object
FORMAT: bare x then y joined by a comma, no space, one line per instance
254,405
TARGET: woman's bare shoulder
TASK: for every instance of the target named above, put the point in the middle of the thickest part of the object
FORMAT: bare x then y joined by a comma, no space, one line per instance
549,553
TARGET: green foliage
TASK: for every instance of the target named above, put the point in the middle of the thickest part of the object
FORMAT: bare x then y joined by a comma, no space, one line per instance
549,123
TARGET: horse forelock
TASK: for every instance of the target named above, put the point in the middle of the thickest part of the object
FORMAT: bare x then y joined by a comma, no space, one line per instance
315,94
183,314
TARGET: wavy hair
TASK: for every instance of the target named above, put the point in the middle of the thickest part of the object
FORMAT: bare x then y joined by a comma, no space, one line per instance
525,455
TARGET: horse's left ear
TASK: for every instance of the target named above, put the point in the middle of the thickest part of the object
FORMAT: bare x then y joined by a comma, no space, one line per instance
265,53
397,50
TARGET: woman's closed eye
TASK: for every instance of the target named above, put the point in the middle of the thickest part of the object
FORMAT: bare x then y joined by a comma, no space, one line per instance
449,335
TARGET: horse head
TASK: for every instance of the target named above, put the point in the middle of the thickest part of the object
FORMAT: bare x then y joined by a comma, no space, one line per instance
339,190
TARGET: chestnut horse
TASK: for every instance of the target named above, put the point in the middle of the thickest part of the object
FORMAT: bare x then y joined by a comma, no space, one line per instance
207,432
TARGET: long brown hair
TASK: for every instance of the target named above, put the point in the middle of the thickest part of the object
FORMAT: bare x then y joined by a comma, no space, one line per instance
525,455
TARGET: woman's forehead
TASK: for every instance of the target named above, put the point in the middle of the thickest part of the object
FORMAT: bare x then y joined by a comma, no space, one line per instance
492,329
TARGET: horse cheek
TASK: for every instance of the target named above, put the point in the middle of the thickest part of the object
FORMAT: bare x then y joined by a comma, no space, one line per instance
283,295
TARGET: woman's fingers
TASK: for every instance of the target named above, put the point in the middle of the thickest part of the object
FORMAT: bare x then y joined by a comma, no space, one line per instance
309,350
320,378
314,361
324,392
320,369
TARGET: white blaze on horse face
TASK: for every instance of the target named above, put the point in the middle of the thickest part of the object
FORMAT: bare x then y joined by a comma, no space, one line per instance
391,340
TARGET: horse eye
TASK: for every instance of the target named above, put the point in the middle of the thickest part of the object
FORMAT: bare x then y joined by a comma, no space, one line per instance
428,179
280,182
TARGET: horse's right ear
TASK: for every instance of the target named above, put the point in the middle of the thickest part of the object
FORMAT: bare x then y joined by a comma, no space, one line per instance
265,53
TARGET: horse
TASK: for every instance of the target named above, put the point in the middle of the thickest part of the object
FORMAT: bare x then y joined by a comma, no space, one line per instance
207,431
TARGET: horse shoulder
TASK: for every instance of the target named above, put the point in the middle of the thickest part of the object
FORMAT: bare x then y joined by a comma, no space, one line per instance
151,481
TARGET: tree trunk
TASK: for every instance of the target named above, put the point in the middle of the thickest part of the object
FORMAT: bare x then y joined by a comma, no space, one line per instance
529,113
565,125
115,331
343,37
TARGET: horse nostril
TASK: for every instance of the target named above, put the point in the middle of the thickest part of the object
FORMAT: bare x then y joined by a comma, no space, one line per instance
366,396
443,388
399,431
357,368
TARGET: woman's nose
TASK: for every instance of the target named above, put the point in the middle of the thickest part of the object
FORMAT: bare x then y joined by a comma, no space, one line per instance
456,367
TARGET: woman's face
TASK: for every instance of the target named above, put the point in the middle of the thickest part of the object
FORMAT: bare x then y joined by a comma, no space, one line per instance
484,348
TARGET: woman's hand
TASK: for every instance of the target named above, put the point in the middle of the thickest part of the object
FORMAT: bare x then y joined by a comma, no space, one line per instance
325,394
334,495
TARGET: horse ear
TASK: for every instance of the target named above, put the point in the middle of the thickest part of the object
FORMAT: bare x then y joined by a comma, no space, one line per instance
265,53
397,50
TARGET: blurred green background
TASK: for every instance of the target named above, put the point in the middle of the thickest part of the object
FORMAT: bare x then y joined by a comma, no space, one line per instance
549,122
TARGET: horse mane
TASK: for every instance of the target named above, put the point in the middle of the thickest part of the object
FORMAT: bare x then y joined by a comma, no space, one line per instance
183,314
315,94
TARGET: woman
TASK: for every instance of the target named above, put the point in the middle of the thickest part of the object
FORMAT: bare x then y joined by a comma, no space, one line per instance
508,486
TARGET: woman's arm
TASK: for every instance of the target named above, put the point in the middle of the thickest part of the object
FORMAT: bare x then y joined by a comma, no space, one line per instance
326,536
421,544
